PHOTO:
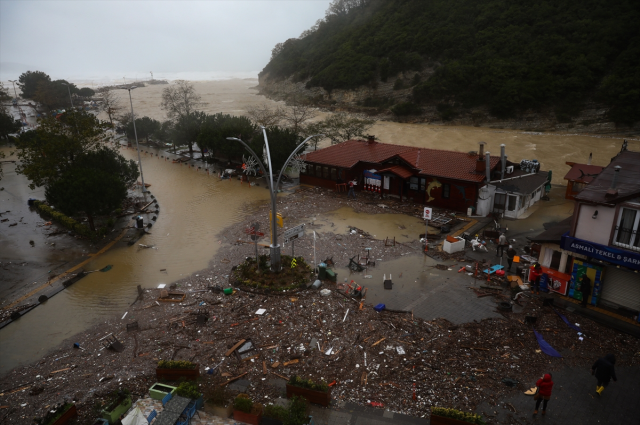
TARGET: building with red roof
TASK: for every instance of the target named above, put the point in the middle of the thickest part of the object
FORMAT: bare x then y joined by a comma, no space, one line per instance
439,178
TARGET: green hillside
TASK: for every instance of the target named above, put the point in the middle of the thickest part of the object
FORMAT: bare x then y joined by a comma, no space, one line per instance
508,55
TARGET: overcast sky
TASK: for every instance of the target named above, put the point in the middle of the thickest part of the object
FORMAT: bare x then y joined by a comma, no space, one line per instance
99,39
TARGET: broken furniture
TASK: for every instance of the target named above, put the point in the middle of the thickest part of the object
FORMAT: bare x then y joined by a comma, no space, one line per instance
110,341
354,265
172,296
364,260
493,269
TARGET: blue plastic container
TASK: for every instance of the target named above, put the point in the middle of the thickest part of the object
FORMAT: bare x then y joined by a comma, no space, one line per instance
379,307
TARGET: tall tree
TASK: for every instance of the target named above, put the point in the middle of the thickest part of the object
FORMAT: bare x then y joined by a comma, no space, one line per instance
8,124
46,152
110,103
218,127
145,127
54,94
340,127
180,99
28,82
96,183
187,127
282,141
265,115
297,113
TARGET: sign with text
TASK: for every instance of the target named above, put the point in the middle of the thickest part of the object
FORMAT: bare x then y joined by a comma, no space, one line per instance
293,233
601,252
427,213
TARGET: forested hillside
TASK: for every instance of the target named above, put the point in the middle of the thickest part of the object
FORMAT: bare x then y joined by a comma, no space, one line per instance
507,55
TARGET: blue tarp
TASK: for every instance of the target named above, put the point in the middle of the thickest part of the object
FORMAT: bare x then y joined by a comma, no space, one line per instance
565,320
545,347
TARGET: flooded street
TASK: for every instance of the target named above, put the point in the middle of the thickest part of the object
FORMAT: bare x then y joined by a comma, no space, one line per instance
194,207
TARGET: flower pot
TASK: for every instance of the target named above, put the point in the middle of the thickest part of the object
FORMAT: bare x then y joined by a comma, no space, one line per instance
222,411
71,412
177,374
113,415
317,397
158,391
247,418
441,420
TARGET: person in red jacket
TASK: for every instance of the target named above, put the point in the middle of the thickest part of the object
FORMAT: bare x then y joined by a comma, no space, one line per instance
534,277
545,385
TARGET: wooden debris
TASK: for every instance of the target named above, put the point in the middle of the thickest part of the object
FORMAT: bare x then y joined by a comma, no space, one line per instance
280,376
378,342
275,365
233,379
291,362
234,348
264,367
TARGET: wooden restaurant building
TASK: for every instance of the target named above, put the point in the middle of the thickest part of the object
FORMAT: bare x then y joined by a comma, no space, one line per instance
434,177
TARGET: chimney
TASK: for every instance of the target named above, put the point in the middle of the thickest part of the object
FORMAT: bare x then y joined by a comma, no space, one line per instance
488,162
371,139
480,162
612,191
590,156
503,160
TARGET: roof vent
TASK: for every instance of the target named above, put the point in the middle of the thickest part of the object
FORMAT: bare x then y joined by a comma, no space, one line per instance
371,139
480,162
612,191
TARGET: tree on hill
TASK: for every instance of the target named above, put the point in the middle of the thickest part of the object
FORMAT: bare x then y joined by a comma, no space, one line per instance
54,94
110,103
216,128
96,183
86,92
180,99
28,82
340,127
187,127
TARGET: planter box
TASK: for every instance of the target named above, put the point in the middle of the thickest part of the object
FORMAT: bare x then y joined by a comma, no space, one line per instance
159,391
115,414
441,420
247,418
223,412
71,413
177,374
312,396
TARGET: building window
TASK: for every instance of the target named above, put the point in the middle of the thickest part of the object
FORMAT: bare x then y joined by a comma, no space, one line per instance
555,260
499,201
334,174
446,190
310,170
577,187
513,202
627,229
413,183
319,171
325,172
423,184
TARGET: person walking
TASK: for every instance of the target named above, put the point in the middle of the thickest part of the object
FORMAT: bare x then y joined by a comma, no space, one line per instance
534,278
545,385
603,370
585,288
352,191
510,254
502,244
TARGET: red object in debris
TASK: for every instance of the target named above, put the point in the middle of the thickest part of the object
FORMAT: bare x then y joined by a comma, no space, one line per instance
500,273
332,384
376,404
461,268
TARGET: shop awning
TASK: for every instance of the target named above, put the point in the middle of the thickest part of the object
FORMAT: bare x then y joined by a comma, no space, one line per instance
601,252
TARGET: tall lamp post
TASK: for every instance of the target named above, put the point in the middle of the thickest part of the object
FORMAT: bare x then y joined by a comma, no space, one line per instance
135,132
14,88
274,249
69,90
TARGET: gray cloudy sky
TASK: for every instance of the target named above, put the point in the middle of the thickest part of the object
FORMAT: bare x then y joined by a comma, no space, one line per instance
100,39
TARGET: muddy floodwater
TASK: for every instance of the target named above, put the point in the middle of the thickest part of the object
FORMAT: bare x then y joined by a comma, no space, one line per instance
194,207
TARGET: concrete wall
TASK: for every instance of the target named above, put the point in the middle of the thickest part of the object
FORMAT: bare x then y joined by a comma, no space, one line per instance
595,230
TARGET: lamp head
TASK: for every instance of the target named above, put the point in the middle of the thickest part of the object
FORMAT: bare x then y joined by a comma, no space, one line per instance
595,215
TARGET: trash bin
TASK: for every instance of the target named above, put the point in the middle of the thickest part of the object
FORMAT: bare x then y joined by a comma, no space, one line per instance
30,202
322,271
139,222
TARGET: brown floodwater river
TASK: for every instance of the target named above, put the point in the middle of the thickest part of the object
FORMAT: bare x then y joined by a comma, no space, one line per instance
194,208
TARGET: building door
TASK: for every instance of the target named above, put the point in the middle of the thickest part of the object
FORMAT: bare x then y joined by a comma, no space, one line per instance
621,287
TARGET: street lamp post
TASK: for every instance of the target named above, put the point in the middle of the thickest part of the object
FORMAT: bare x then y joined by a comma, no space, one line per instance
69,90
14,88
274,249
135,132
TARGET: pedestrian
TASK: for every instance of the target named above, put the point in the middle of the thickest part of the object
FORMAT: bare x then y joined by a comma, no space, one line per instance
543,395
502,244
585,288
510,254
603,370
352,190
534,278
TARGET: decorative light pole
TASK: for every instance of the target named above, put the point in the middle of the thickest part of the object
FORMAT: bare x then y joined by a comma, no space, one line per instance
135,132
274,249
14,88
69,90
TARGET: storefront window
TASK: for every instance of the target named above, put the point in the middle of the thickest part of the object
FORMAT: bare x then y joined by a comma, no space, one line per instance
513,201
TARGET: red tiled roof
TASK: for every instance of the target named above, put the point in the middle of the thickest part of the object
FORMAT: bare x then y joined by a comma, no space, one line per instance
579,172
431,162
398,170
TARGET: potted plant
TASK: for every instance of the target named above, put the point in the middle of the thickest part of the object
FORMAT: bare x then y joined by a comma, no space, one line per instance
445,416
314,392
190,390
117,404
173,370
219,402
274,415
158,391
245,410
60,416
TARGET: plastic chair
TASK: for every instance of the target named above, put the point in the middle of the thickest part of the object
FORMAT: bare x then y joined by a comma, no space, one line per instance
152,416
166,399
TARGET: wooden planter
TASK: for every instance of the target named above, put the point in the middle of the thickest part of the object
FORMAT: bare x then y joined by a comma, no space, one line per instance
247,418
159,391
113,415
177,374
72,412
441,420
317,397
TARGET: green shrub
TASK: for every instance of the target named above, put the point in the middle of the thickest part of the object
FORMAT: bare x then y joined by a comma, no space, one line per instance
175,364
63,220
110,222
188,390
309,384
472,418
276,412
297,411
243,403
